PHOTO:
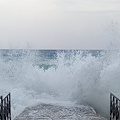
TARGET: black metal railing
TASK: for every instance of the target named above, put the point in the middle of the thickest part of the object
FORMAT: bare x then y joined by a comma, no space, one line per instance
5,107
114,107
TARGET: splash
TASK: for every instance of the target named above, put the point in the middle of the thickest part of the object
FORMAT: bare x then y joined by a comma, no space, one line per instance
80,77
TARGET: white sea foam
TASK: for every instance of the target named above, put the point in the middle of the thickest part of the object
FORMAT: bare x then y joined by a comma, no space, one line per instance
77,78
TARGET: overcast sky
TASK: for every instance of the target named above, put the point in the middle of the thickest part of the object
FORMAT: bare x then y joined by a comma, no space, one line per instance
59,24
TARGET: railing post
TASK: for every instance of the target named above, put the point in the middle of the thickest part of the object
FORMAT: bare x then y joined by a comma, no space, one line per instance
9,102
110,105
2,111
114,107
5,107
1,107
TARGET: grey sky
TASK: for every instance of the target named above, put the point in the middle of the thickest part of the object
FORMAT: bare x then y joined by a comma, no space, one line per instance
59,24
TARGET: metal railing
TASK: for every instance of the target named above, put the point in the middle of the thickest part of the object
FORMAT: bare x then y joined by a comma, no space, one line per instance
114,107
5,107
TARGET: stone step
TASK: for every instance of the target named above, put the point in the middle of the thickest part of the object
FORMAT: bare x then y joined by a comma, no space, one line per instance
56,112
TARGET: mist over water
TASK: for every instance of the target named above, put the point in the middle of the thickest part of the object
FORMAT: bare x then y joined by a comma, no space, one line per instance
79,77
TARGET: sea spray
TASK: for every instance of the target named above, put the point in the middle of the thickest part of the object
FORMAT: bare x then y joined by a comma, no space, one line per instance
81,77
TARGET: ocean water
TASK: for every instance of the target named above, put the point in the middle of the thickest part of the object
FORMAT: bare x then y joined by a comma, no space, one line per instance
62,76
